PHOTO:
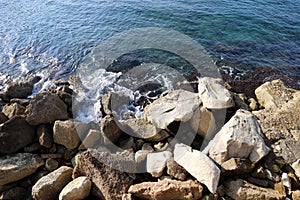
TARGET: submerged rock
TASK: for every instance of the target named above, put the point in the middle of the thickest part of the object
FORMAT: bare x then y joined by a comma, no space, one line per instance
79,188
49,186
45,108
18,166
198,165
178,105
167,189
240,137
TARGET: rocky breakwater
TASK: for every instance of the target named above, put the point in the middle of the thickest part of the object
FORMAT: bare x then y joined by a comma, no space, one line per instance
214,144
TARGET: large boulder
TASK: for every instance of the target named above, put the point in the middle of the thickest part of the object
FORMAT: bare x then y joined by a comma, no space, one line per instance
79,188
213,94
45,108
167,189
240,137
198,165
18,166
178,105
15,134
48,187
108,183
240,189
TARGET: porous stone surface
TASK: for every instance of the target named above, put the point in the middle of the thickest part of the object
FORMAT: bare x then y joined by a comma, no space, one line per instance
167,189
79,188
18,166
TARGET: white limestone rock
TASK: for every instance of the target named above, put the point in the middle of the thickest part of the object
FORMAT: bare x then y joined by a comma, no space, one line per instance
156,162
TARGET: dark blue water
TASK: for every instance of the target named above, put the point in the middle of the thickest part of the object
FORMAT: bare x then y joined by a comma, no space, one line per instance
54,36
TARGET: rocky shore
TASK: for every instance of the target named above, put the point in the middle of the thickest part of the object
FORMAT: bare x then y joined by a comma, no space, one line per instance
223,142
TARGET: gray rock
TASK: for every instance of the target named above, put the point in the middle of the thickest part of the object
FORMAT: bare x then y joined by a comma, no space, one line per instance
175,170
69,132
19,90
289,150
157,161
213,94
203,122
15,134
198,165
112,101
240,137
237,166
92,139
13,109
178,105
49,186
110,129
18,166
167,189
45,108
79,188
240,189
51,164
45,135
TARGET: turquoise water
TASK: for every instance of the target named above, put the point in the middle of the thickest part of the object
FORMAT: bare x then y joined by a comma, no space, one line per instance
53,36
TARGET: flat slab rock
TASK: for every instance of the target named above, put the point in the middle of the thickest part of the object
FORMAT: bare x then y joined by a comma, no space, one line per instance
167,190
18,166
178,105
240,189
240,137
108,183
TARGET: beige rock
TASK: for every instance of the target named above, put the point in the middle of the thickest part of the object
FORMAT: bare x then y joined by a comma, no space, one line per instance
272,95
45,135
240,189
49,186
157,161
175,170
127,197
141,155
213,94
92,139
296,167
110,129
296,195
13,109
51,164
178,105
203,122
240,137
236,166
18,166
167,189
79,188
198,165
69,132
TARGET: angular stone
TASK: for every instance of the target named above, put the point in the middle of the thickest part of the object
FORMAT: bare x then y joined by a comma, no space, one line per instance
240,189
45,108
140,128
240,137
237,166
18,166
15,134
178,105
289,150
92,139
272,95
175,170
108,183
296,194
19,90
203,122
45,135
110,129
198,165
127,197
112,101
167,189
157,161
213,94
141,155
296,167
79,188
49,186
69,132
13,109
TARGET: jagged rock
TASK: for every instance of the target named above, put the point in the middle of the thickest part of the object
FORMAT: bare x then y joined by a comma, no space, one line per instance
198,165
167,189
15,193
178,105
108,183
237,166
19,90
282,123
141,155
110,129
128,143
296,195
240,189
272,95
3,118
203,122
213,94
22,102
45,108
69,132
92,139
289,150
79,188
49,186
45,135
13,109
240,137
296,167
15,134
18,166
157,161
175,170
140,128
240,101
110,102
51,164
